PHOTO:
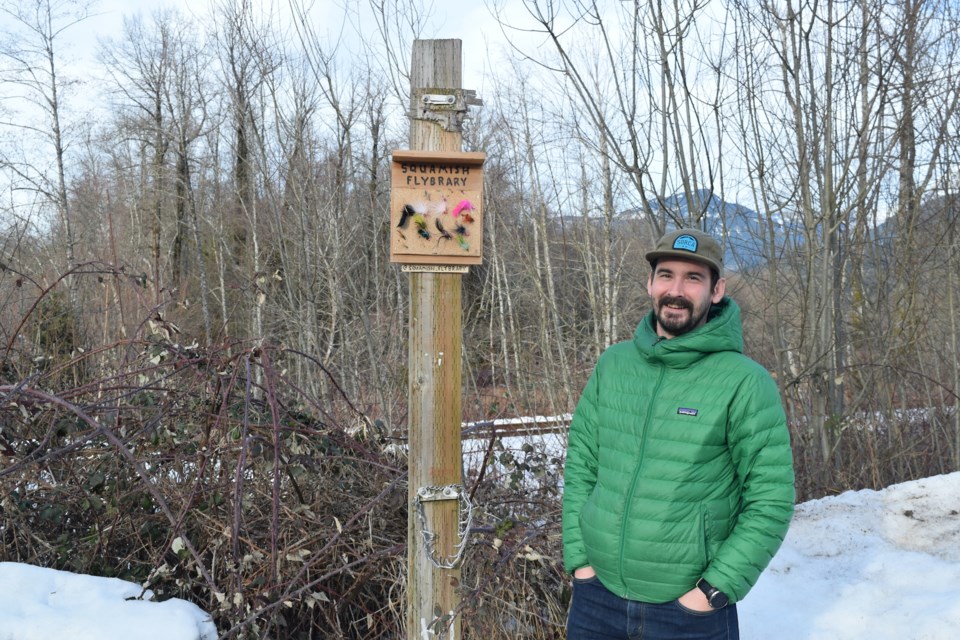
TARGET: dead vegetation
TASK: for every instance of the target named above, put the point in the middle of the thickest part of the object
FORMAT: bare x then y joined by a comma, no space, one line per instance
207,474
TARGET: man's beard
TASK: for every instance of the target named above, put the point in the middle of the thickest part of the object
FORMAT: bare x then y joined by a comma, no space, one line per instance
677,326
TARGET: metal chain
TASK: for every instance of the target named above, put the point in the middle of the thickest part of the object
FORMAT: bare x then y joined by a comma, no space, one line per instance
444,492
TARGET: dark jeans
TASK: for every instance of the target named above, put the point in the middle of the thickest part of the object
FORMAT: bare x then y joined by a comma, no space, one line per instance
597,614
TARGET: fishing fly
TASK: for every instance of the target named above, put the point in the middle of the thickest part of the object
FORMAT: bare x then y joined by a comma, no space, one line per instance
444,234
462,207
405,214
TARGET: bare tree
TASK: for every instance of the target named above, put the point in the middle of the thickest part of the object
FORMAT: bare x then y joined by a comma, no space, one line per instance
31,53
653,114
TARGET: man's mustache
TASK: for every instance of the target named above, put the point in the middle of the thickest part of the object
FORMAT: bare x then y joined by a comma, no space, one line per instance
677,302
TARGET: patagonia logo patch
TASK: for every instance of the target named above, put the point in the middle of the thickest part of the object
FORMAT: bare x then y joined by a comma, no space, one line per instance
686,243
686,411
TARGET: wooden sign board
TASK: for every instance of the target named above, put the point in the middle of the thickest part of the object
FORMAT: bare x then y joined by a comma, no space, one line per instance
436,208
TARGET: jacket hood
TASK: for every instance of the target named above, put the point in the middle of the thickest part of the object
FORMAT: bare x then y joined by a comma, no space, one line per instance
721,332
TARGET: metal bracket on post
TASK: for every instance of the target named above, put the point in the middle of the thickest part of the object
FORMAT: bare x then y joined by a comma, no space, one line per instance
465,519
448,107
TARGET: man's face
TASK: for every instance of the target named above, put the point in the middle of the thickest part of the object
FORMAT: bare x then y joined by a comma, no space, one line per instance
682,295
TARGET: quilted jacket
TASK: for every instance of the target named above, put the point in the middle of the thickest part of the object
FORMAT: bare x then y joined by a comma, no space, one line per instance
678,465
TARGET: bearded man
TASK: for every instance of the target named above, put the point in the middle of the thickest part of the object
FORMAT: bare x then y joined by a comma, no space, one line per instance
678,483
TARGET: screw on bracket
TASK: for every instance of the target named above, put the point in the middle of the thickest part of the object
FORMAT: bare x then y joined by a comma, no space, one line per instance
438,98
447,107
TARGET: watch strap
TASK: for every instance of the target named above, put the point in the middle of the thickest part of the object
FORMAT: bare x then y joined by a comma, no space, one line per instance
716,598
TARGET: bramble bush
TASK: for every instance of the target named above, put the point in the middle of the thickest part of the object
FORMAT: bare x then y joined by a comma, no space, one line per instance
206,473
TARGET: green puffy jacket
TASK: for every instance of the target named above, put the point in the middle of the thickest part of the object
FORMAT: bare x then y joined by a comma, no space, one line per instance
678,465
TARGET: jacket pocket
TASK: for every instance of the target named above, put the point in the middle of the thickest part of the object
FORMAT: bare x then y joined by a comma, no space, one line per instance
704,522
588,521
718,519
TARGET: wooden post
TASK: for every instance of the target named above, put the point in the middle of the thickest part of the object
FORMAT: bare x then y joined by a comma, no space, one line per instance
434,386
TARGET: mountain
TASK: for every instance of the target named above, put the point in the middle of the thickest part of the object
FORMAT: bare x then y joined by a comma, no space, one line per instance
744,232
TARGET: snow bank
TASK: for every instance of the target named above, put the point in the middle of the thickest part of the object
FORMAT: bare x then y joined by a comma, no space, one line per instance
40,604
865,565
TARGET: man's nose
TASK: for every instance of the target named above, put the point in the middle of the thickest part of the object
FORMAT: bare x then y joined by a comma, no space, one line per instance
676,288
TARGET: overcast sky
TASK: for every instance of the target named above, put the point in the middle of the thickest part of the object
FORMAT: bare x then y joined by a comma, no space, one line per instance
467,20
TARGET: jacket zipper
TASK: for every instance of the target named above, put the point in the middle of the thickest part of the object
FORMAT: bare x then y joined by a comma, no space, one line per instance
636,471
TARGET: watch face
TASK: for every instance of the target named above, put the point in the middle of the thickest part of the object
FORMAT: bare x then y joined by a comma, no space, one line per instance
719,600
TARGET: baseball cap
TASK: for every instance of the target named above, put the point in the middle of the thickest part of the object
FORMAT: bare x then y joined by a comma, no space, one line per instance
689,244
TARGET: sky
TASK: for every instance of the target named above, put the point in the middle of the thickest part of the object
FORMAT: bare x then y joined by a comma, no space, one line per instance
467,20
864,565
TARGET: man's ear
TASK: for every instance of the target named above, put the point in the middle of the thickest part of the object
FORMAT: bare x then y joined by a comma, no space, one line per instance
719,291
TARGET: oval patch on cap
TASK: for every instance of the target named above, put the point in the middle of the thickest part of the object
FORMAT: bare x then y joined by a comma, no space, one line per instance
686,243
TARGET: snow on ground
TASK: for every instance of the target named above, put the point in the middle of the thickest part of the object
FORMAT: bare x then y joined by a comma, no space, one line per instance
863,565
40,604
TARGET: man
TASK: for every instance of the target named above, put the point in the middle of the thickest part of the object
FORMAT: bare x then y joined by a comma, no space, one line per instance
678,485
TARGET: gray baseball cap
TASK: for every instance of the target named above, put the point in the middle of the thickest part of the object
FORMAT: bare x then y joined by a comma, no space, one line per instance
689,244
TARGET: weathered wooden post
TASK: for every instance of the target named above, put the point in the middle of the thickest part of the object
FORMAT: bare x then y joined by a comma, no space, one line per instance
436,231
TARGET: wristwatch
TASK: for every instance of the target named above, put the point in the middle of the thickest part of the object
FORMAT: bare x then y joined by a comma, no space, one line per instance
717,599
